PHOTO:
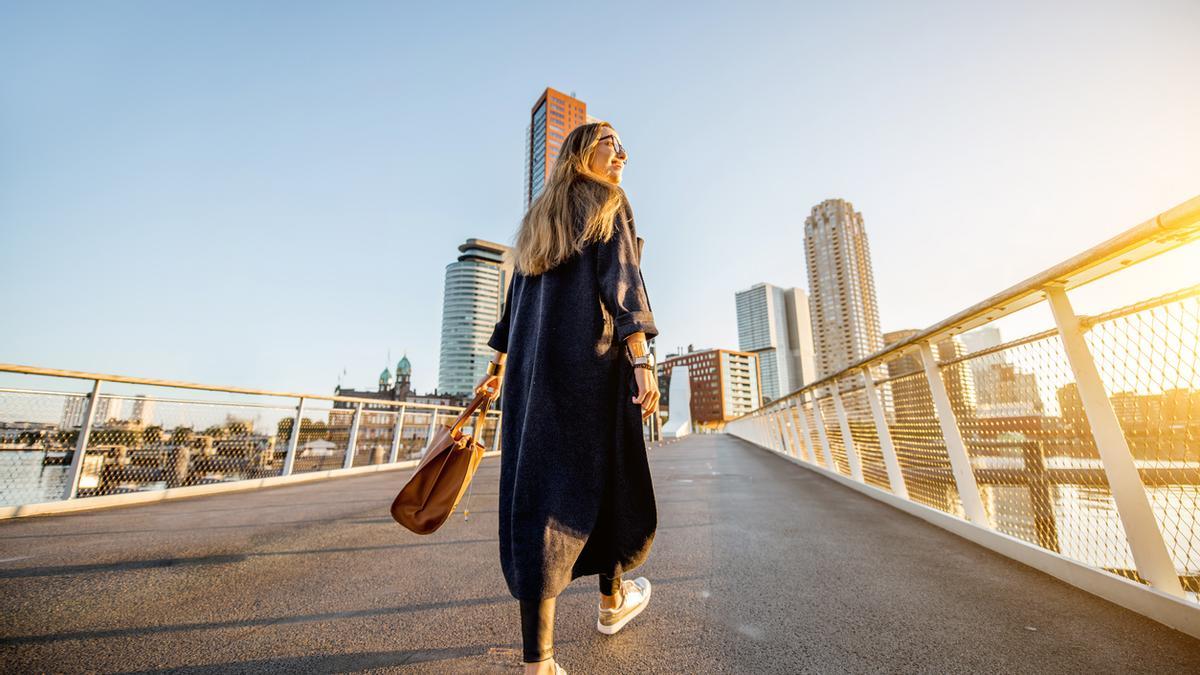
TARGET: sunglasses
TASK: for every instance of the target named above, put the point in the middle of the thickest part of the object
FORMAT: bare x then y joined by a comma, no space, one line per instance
616,145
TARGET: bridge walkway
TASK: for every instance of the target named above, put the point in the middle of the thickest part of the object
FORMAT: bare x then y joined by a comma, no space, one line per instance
759,565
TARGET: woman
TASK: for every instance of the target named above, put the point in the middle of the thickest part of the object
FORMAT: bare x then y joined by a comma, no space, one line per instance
575,491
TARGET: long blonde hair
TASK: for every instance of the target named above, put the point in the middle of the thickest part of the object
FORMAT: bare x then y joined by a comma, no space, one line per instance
548,233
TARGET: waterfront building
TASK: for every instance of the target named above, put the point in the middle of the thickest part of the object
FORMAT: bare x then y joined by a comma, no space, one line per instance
473,301
774,324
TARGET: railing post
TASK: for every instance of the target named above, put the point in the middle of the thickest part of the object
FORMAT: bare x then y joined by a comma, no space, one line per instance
847,437
496,432
433,415
808,441
820,421
797,441
1129,493
289,460
895,477
789,429
397,430
781,423
352,444
960,464
81,443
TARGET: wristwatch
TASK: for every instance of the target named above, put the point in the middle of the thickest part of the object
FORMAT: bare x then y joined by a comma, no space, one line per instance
644,361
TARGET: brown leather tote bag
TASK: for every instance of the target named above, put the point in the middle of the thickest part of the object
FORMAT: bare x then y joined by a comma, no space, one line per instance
440,479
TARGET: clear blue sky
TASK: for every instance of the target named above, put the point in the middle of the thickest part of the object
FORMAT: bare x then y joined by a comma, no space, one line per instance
260,194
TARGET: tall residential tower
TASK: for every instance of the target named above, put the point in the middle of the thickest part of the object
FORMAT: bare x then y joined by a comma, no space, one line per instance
845,314
773,323
553,117
476,285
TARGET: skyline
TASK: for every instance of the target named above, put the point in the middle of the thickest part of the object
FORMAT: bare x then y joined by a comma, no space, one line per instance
140,160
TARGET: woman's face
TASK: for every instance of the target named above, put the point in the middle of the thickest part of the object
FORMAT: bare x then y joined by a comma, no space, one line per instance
606,161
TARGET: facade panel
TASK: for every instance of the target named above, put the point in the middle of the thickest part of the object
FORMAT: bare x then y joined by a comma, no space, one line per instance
472,303
554,115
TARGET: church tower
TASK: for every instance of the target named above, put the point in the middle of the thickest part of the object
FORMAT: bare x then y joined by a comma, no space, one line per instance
403,378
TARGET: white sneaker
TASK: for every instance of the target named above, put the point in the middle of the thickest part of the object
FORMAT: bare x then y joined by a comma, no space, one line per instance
635,594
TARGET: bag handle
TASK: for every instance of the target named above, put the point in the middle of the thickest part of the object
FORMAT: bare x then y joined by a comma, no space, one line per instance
483,400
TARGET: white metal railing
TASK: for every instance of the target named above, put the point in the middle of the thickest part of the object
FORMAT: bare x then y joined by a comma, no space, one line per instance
67,445
1081,441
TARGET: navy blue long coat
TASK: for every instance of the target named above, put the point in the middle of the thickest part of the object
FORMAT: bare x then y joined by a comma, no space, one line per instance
575,491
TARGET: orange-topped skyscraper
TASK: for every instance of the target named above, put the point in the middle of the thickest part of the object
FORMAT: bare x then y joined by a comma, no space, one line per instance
553,117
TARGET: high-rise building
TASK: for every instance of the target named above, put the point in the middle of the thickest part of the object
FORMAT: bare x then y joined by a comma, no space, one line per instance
982,338
143,409
553,117
960,384
845,314
1001,388
911,396
800,339
773,323
75,406
476,285
723,383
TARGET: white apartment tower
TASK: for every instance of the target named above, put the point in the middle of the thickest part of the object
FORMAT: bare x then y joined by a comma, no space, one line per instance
1001,389
773,323
143,410
74,408
845,314
476,285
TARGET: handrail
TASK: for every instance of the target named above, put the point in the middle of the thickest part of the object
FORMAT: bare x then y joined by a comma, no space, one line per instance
124,470
917,433
1166,231
125,379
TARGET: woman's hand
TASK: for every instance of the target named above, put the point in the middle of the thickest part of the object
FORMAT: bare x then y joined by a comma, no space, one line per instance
647,394
489,384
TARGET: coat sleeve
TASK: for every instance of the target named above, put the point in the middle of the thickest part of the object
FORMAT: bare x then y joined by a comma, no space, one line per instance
499,339
622,289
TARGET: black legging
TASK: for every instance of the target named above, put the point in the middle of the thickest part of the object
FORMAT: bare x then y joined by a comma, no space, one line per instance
609,585
537,629
537,622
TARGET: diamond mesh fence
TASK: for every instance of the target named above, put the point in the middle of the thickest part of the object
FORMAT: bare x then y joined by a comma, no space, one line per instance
1031,448
1023,420
323,437
833,433
1148,358
145,442
782,430
917,437
815,433
414,435
37,445
376,431
866,437
793,423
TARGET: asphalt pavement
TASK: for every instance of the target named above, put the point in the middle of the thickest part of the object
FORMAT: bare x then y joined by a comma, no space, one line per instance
758,566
